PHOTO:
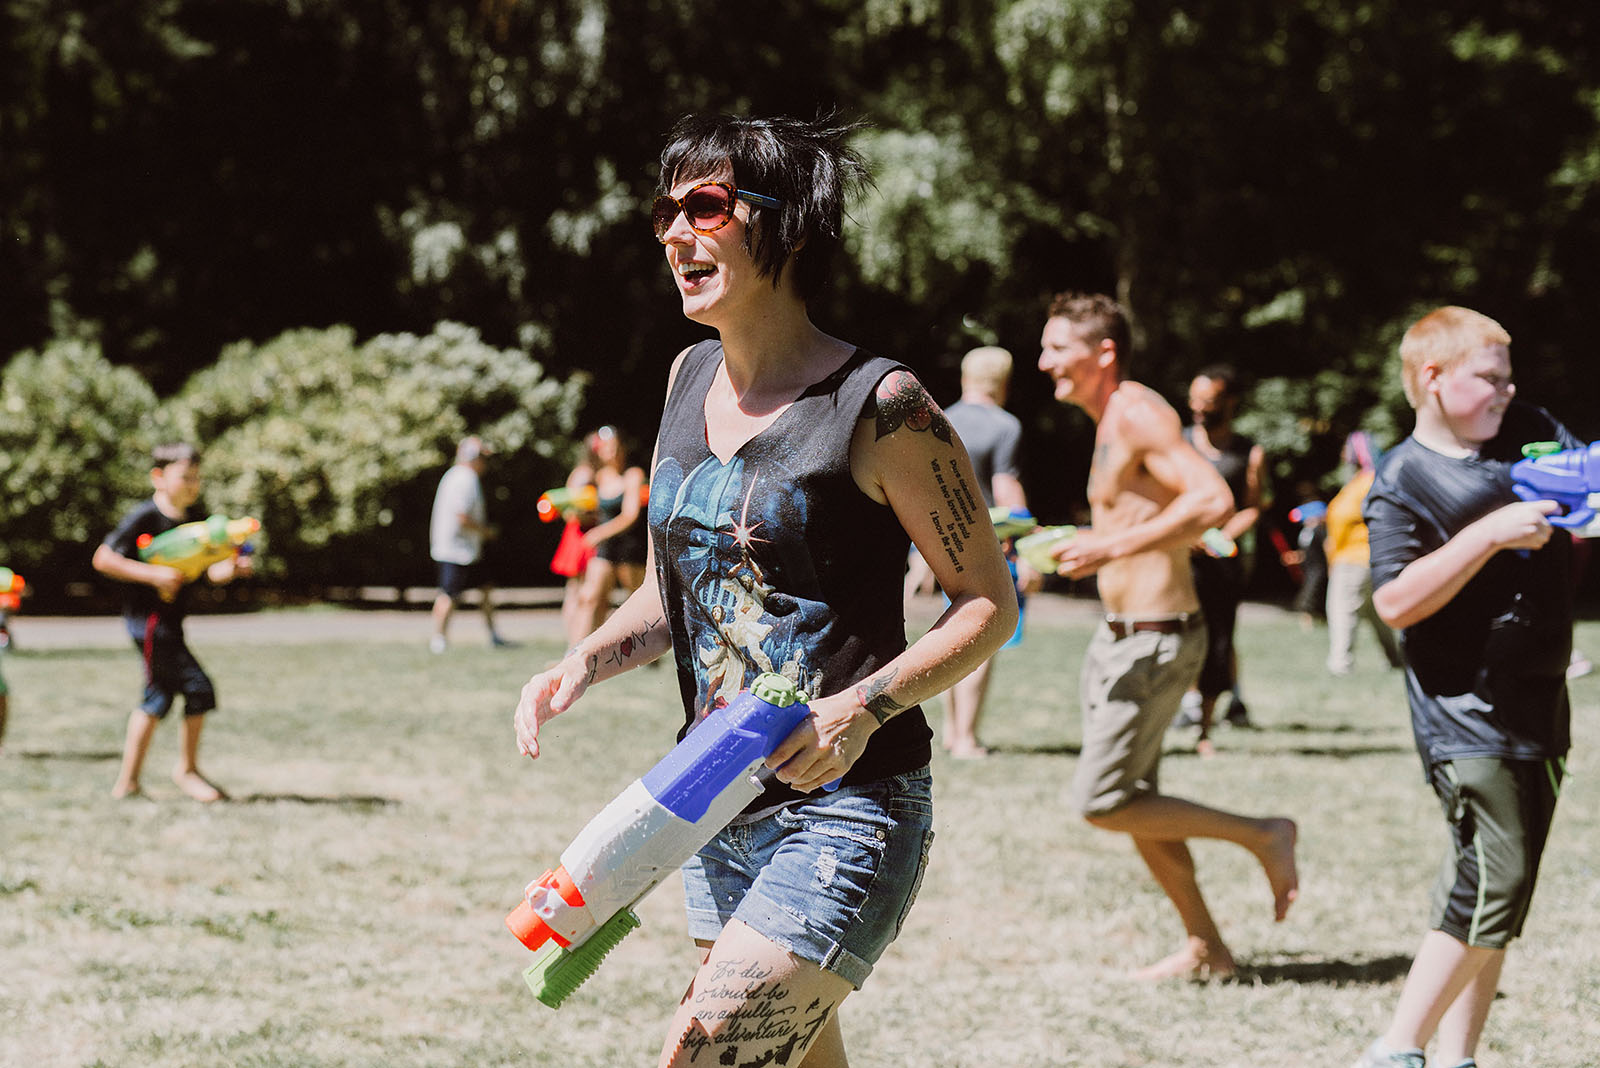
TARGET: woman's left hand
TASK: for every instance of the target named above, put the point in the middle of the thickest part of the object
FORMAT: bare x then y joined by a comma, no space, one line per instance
825,745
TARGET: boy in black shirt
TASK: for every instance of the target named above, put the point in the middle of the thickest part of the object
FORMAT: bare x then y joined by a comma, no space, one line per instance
1487,636
154,604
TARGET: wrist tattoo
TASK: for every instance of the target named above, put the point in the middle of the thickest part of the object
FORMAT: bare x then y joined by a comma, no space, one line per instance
872,697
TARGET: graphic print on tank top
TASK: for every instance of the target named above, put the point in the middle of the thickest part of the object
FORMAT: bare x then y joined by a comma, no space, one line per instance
723,518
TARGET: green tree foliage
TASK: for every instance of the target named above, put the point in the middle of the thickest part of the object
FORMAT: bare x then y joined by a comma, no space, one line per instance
337,446
1279,184
75,437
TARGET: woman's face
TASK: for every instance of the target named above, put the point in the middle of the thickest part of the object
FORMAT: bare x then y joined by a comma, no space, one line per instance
714,272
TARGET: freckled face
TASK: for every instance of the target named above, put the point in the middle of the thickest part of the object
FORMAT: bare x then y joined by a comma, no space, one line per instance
1072,363
714,273
1474,393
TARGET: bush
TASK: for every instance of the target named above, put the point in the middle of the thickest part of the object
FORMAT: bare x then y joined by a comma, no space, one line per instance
337,447
75,437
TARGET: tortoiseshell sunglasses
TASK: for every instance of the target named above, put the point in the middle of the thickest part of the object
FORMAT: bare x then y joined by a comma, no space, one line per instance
708,207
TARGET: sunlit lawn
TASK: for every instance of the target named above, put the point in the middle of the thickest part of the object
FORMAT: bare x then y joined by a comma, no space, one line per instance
345,908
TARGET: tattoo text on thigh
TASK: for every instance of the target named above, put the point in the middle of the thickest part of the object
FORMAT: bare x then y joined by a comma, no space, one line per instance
746,1020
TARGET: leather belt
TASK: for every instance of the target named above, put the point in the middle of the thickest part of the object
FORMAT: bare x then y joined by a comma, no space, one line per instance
1121,628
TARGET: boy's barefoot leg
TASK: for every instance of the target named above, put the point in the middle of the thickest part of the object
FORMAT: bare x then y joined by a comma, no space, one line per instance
1197,959
1277,859
197,786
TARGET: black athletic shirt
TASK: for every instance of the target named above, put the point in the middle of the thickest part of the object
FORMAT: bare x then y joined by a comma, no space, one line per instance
1486,674
140,602
1232,463
776,561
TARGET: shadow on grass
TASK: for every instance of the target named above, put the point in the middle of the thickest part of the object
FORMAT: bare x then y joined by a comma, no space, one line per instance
354,801
1330,972
88,756
1035,750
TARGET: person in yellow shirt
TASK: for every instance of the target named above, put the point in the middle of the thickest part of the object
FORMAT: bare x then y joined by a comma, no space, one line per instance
1349,573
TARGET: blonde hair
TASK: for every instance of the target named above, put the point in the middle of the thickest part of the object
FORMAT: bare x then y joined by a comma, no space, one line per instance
989,366
1444,337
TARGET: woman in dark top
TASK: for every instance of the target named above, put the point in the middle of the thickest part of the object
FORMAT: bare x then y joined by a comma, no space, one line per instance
790,472
617,535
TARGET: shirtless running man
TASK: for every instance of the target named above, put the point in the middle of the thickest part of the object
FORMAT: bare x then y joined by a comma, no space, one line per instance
1151,496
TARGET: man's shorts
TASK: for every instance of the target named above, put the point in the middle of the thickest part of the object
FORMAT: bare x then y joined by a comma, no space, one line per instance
1129,692
1499,813
456,579
170,669
829,878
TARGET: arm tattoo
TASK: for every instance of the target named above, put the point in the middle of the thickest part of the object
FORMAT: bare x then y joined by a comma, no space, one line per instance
872,696
632,645
901,401
955,527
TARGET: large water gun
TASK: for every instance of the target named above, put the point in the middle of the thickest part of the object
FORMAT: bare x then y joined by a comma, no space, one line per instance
575,914
1036,547
553,503
193,547
1012,523
1548,472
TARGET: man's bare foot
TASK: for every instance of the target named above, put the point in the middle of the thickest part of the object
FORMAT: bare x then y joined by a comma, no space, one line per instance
1205,747
125,791
1196,961
968,752
197,786
1277,858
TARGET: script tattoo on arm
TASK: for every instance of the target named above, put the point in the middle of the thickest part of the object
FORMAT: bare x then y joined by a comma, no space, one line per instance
901,401
873,697
955,524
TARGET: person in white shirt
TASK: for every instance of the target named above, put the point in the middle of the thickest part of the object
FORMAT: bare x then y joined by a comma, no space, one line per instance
456,536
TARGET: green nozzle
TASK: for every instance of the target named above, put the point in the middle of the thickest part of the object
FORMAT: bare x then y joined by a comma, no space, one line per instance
1540,448
556,972
775,689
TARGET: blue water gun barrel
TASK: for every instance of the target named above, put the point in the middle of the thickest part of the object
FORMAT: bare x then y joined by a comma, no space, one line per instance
724,745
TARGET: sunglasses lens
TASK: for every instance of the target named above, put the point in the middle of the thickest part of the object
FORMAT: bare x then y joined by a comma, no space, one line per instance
708,207
662,212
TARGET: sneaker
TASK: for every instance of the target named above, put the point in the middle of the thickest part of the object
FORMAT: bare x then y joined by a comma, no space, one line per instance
1378,1055
1468,1063
437,644
1237,715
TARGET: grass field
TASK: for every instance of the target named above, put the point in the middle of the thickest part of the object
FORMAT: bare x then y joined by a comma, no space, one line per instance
345,908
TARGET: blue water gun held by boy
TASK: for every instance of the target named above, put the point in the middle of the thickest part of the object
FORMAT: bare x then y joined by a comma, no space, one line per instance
1548,472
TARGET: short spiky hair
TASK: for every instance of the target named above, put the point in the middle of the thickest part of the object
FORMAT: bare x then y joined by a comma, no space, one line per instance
807,165
1097,317
174,452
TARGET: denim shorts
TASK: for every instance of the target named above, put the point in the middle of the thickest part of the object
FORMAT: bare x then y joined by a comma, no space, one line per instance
829,878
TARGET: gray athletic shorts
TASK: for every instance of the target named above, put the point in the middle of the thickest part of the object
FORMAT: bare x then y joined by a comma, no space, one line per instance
1129,691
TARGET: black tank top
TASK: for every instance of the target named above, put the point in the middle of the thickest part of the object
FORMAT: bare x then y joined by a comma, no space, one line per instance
1233,464
776,561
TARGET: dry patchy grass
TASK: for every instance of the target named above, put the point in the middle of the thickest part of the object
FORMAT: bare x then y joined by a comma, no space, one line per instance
346,908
